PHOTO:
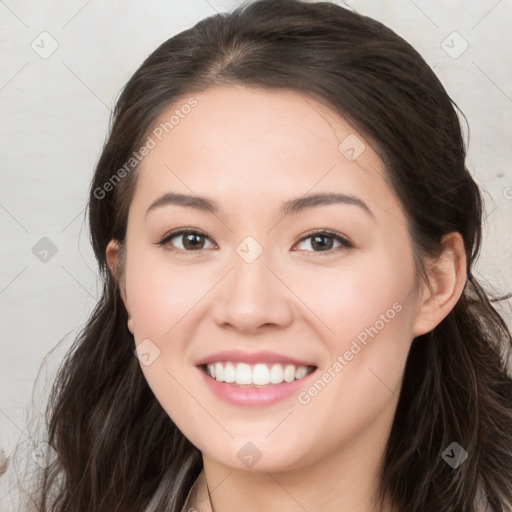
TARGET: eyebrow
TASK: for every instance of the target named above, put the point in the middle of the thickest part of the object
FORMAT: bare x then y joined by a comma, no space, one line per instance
292,206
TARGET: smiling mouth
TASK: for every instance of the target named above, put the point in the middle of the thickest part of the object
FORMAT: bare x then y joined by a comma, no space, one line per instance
255,375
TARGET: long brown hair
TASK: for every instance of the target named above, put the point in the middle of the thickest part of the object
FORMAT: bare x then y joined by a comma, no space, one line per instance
117,448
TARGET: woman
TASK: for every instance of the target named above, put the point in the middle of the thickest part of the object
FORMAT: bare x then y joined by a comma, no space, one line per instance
269,376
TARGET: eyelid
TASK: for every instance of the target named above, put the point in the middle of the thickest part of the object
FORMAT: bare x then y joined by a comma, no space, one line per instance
345,242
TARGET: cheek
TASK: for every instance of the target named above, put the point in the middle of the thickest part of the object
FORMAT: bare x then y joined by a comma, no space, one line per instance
371,309
344,300
365,314
160,295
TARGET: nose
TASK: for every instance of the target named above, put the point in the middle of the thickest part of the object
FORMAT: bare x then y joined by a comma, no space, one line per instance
253,296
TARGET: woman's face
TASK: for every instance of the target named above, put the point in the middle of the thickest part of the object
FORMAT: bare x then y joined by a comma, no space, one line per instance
259,291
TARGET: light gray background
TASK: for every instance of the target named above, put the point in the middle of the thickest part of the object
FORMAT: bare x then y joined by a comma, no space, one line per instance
54,118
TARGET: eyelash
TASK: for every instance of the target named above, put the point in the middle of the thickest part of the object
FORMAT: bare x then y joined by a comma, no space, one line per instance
345,244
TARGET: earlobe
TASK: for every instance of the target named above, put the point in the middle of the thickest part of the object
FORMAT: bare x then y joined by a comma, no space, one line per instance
447,277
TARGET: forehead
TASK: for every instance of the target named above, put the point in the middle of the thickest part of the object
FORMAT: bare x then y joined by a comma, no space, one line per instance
240,144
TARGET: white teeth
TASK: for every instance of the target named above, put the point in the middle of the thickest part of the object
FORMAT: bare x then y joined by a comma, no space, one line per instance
276,374
243,374
261,375
289,373
300,372
219,372
229,373
258,375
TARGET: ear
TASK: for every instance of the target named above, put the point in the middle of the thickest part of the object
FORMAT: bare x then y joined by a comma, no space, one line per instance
447,277
112,255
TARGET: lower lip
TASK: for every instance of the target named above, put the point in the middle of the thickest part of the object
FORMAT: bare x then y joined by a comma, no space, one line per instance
248,396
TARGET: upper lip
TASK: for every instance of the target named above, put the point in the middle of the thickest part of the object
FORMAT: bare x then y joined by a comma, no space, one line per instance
251,358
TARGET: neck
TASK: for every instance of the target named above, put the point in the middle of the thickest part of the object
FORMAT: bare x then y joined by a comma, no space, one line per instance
345,479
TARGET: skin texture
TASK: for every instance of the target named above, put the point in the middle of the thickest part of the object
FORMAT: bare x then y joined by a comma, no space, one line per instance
250,150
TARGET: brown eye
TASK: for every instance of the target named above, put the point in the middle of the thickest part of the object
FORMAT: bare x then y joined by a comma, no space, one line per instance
323,241
191,240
